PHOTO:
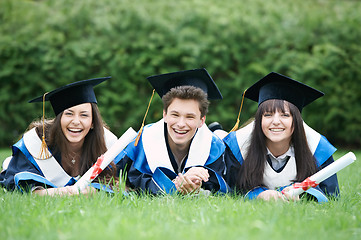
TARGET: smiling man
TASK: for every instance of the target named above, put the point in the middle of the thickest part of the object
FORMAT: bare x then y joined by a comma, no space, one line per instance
178,153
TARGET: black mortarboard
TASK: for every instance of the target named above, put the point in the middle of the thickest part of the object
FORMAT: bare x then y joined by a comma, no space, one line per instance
277,86
196,77
72,94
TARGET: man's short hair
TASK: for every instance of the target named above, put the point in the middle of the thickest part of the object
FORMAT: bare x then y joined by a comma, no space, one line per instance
187,92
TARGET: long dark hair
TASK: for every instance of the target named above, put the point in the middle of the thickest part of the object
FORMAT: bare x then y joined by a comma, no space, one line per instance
93,147
252,169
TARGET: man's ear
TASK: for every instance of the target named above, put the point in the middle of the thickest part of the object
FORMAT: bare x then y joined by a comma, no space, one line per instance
164,115
203,120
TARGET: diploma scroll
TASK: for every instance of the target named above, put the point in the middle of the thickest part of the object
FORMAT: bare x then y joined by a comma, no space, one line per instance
322,175
104,160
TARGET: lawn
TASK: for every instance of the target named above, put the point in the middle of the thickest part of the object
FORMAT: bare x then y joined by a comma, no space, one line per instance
173,217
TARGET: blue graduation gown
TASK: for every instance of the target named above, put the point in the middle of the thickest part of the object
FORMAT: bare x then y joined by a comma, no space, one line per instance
236,149
25,172
151,167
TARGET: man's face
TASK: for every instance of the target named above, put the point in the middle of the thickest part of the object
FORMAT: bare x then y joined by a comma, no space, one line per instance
183,118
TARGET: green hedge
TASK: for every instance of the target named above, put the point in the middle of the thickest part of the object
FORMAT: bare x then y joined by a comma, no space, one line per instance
46,44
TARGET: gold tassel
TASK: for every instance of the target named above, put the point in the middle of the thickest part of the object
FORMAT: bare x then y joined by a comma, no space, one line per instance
44,152
235,128
141,128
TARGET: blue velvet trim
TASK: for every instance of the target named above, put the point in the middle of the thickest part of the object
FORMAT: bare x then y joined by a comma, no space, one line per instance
102,187
321,198
223,186
253,194
318,194
323,151
217,149
26,176
231,141
121,155
163,176
20,145
137,155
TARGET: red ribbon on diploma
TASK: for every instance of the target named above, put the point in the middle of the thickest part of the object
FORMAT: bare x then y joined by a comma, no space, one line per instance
306,184
97,168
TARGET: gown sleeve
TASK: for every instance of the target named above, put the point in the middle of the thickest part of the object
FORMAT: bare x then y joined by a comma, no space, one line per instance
232,168
330,185
142,182
18,163
154,184
123,164
216,182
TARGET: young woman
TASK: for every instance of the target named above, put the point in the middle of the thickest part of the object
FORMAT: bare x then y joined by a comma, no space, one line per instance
278,148
75,139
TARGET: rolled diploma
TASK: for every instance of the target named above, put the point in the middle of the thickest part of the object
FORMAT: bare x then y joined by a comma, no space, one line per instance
326,172
108,157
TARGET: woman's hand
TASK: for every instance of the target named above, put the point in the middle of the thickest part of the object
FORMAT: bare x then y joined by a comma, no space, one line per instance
276,195
271,195
61,191
289,197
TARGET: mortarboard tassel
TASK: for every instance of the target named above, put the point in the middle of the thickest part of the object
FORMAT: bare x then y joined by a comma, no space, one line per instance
141,128
239,114
44,152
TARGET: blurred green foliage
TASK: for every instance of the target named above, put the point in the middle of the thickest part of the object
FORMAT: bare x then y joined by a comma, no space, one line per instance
46,44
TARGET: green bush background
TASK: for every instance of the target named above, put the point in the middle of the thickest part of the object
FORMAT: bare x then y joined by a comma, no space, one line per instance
46,44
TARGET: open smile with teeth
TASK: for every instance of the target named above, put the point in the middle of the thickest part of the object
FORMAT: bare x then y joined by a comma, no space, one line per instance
75,130
277,129
180,131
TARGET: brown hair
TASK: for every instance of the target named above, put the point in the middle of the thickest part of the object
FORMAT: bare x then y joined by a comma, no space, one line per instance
187,92
252,169
94,144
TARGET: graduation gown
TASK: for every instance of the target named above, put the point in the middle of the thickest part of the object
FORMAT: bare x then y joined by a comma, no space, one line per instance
152,167
25,171
237,144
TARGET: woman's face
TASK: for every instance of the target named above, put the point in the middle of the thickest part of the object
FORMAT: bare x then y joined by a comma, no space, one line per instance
76,122
277,127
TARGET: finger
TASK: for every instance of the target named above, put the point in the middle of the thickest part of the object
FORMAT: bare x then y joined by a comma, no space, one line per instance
204,174
190,185
182,184
197,181
186,182
176,182
283,197
194,179
199,172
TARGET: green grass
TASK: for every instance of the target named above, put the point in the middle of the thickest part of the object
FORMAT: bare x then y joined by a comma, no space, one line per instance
4,153
172,217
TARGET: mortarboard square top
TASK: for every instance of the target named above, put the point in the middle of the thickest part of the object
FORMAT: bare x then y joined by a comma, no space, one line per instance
72,94
195,77
277,86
